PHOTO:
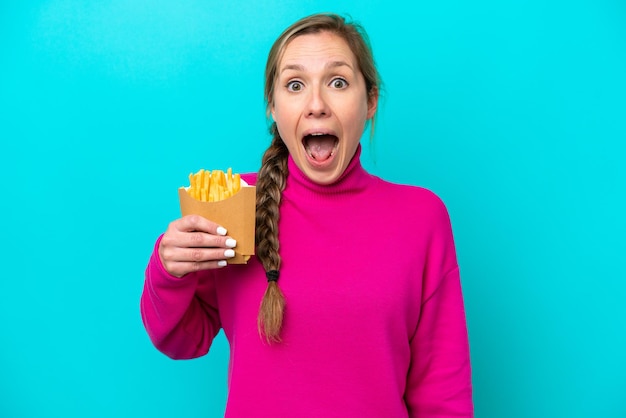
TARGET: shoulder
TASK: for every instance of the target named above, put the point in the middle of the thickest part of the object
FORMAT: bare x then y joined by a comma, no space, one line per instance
412,199
249,178
419,219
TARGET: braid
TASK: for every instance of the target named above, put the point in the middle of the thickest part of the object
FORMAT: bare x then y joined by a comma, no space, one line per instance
270,185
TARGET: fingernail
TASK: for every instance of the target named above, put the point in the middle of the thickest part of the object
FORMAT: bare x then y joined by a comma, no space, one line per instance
231,243
221,230
229,253
222,263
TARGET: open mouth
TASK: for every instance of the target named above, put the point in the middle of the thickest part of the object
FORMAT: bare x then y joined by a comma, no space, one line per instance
320,146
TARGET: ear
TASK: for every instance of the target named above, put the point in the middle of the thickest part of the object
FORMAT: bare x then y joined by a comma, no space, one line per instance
372,102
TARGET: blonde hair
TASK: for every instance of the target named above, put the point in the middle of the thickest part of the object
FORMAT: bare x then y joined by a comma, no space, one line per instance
273,173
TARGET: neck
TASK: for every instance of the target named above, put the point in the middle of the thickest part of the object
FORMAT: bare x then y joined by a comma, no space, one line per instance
353,179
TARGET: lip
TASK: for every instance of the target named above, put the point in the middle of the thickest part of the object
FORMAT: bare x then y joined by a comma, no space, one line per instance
322,131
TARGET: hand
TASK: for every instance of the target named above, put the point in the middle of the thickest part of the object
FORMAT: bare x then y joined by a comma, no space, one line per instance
194,243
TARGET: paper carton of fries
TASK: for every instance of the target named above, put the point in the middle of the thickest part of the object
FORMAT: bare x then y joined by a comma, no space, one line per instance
226,200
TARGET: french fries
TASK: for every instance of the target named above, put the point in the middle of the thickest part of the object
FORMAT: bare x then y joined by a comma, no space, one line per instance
213,186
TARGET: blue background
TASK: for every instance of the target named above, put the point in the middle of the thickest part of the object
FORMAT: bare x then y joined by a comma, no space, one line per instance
514,113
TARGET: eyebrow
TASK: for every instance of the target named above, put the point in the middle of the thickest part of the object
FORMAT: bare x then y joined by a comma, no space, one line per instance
332,64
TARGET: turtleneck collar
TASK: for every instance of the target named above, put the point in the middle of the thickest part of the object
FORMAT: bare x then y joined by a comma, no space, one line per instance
353,180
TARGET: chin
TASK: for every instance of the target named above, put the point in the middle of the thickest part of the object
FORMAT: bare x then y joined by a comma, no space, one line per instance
323,177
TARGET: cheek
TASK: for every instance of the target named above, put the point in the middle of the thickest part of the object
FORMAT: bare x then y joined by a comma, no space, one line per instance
287,119
286,128
357,125
282,114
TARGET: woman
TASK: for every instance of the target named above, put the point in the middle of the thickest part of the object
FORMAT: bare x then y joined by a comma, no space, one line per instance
372,322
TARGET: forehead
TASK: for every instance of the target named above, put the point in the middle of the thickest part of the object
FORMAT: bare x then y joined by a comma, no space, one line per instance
317,46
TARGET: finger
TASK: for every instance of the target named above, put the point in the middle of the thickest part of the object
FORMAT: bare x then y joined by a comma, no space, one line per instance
177,239
194,255
191,223
204,240
200,255
179,269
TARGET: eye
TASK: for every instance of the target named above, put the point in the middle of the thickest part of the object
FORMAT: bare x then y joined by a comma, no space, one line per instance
294,86
339,83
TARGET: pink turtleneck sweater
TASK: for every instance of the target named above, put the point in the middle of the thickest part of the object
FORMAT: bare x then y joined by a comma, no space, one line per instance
374,323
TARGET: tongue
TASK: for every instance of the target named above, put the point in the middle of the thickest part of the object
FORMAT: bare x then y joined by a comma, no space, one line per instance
321,146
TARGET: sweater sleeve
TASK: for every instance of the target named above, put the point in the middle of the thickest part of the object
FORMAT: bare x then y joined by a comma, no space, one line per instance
179,314
439,381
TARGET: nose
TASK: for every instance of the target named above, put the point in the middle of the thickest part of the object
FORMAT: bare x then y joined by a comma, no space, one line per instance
317,104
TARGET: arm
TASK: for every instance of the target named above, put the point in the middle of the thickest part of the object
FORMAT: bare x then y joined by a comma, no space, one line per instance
439,380
179,301
179,314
